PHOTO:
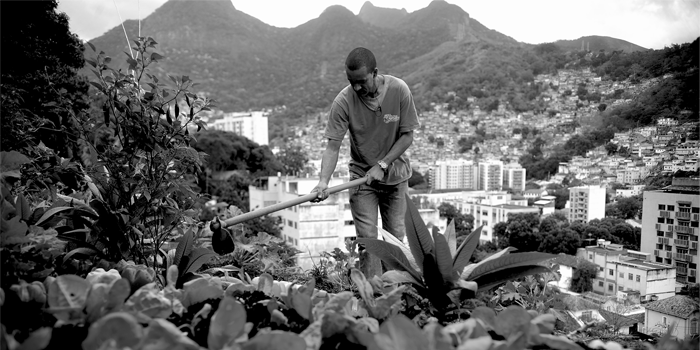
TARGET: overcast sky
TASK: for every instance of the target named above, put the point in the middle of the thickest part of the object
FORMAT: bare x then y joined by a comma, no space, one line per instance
648,23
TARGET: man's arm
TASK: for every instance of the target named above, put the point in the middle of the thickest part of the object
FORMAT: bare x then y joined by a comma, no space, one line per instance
399,147
328,163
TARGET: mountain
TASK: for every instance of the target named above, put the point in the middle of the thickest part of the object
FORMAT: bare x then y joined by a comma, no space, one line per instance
381,16
596,43
244,63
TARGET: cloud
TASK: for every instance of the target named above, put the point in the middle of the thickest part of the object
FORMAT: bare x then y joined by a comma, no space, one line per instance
90,18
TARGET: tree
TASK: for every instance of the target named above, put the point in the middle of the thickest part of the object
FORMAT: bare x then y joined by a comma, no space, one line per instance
293,159
229,151
521,232
561,240
625,208
464,223
583,277
41,93
416,179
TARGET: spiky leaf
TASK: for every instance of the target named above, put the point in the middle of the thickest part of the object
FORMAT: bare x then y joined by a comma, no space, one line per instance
388,237
466,249
193,261
451,237
443,257
493,279
508,261
468,270
390,254
418,236
436,285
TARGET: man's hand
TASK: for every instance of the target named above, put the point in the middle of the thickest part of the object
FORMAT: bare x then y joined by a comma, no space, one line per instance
321,189
375,174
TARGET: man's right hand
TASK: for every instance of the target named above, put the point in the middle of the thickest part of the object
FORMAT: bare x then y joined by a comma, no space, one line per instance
321,189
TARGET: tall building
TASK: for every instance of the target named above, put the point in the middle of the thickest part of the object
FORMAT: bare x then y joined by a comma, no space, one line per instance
252,125
586,203
670,219
514,177
453,174
490,175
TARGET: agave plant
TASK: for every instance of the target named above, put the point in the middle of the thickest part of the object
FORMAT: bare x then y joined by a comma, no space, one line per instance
439,269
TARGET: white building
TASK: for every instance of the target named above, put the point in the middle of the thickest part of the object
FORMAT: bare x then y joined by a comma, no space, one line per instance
627,272
252,125
586,203
490,175
630,191
514,177
453,174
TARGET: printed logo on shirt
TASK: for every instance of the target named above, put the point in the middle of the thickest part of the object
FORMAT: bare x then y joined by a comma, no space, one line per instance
391,118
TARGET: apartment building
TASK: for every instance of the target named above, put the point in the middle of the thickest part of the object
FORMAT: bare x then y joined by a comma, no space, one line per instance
490,175
670,219
252,125
514,177
453,174
492,208
586,203
629,274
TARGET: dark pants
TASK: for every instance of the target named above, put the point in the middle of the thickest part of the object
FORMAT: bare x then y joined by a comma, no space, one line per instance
364,202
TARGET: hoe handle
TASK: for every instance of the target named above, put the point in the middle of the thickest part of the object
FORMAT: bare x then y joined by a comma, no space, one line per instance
290,203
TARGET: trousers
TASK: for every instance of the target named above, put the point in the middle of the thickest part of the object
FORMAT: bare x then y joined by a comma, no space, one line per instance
366,201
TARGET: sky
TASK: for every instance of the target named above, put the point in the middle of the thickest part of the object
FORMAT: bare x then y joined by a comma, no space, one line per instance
648,23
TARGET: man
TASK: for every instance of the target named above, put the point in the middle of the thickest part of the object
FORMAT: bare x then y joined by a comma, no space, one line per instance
379,112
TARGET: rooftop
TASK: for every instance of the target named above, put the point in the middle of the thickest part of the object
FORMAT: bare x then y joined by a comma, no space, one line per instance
645,265
679,305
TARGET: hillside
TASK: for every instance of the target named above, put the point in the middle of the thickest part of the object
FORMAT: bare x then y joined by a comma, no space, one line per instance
244,63
596,43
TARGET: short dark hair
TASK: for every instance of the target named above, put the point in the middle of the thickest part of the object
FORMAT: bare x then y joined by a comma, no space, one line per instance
361,57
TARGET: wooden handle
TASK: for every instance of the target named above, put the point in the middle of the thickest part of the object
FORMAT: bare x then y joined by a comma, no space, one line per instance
290,203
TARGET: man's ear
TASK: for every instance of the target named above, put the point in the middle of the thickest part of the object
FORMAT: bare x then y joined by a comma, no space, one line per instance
375,72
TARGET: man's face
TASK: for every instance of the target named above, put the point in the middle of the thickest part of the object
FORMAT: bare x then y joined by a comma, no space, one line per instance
362,81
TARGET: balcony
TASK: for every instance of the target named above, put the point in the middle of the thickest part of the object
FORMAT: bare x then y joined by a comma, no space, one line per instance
684,229
694,245
681,242
683,215
656,253
662,240
682,279
681,271
664,214
696,217
683,257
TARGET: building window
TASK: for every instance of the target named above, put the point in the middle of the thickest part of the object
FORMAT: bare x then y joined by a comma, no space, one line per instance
660,233
694,326
639,278
663,320
662,207
695,210
590,256
660,220
620,288
611,272
600,269
600,283
669,221
630,276
587,316
610,287
670,208
659,259
668,248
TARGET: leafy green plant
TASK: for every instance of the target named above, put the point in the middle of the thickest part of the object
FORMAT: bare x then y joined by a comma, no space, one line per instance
187,258
445,273
382,307
136,151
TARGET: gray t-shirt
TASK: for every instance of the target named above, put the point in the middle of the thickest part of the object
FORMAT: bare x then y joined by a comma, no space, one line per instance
374,131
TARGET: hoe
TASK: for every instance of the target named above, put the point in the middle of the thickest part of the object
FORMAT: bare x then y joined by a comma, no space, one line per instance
222,240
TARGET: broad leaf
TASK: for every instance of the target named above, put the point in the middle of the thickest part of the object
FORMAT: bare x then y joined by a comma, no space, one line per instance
22,208
451,237
396,276
227,323
275,340
388,237
493,279
387,303
12,160
390,254
443,257
418,236
436,285
404,334
508,261
184,247
265,283
363,287
466,249
193,261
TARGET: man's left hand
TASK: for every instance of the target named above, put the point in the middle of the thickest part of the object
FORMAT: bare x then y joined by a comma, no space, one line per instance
375,174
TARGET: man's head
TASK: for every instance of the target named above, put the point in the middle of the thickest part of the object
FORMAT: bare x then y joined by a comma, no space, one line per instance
361,69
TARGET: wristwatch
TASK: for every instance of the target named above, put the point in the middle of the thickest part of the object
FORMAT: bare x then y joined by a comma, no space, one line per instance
383,165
